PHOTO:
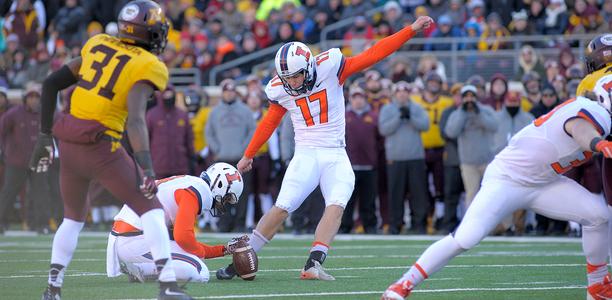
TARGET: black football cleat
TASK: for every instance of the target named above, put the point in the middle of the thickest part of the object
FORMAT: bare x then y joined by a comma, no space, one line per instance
171,291
226,273
52,293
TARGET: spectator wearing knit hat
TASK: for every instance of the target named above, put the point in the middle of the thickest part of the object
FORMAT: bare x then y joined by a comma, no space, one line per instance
519,24
401,123
557,18
362,143
434,103
229,128
457,12
511,119
473,125
494,34
18,133
171,137
445,28
498,88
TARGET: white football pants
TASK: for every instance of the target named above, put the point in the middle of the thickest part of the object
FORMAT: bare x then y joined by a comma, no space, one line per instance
187,266
311,166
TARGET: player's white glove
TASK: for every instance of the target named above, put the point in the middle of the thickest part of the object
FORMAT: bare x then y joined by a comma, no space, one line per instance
235,243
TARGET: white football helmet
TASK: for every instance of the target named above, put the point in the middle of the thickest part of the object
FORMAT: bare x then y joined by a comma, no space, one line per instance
226,185
293,58
603,92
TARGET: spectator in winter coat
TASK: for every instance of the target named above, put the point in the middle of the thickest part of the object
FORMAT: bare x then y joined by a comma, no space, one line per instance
18,133
229,128
401,122
171,137
362,143
473,125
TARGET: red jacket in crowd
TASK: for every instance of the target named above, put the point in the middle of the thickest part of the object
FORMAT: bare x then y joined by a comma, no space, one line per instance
19,128
362,138
171,140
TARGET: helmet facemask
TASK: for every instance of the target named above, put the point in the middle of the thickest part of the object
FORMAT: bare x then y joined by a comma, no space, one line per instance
307,84
220,203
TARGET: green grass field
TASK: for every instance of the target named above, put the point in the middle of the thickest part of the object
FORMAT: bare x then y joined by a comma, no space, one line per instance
364,267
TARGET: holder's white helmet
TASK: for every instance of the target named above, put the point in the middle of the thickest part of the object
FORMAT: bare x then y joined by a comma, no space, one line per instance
226,185
294,58
603,92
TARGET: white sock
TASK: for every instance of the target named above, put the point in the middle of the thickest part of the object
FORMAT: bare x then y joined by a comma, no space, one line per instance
318,246
257,240
596,273
249,221
266,202
432,260
156,235
96,214
64,243
595,246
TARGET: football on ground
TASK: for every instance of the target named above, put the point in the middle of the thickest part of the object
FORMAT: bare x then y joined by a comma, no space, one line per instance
245,261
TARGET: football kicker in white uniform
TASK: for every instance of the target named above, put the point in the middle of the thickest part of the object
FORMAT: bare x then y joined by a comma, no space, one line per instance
311,89
527,175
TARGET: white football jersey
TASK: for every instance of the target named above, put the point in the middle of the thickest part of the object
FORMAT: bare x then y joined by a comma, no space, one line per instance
543,150
165,193
318,118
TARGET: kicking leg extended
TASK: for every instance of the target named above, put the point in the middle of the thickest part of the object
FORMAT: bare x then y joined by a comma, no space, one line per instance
495,200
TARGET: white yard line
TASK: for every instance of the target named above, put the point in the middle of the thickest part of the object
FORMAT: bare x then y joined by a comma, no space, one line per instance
380,292
347,269
341,237
478,254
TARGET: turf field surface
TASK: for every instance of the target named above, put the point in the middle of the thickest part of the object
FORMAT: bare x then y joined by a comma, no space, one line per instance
499,268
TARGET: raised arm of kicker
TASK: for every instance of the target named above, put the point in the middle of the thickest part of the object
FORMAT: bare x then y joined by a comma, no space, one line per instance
265,129
376,53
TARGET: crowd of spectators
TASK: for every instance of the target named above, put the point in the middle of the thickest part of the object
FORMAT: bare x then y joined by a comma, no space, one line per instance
38,36
411,132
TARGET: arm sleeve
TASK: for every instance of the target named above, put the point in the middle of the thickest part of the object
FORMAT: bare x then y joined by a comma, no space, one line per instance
210,134
419,118
443,119
455,124
389,120
488,119
183,226
265,129
54,83
376,53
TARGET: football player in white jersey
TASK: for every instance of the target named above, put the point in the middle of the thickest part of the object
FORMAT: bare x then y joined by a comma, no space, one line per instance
527,174
183,198
310,89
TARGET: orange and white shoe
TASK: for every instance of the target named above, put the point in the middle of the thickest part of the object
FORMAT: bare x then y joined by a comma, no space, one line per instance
600,291
398,291
316,272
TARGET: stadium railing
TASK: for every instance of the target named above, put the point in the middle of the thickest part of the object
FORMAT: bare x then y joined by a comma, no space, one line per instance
460,64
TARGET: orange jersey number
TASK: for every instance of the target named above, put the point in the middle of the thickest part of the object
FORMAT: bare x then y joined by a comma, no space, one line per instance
559,169
105,91
302,103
